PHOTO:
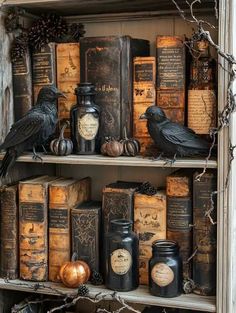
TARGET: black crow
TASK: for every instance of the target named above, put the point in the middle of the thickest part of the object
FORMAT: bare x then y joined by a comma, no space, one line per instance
171,138
33,129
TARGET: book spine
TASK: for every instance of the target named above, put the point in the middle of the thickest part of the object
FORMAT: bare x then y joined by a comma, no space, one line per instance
107,63
61,200
171,76
44,68
149,225
116,204
204,234
33,238
9,233
85,235
68,76
144,95
22,86
179,216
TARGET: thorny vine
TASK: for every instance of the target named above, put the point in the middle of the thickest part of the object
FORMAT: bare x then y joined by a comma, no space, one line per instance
230,106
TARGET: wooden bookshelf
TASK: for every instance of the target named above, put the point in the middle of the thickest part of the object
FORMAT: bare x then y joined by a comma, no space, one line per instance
140,295
119,161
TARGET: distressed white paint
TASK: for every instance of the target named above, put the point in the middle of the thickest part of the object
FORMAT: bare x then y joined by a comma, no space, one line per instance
6,95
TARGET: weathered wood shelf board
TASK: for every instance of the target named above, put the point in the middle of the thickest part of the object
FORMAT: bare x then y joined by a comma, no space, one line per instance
140,295
83,7
120,161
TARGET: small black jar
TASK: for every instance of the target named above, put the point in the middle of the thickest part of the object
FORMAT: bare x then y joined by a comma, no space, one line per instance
85,120
165,269
121,257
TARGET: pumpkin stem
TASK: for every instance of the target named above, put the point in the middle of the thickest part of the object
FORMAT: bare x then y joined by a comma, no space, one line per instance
125,133
63,129
74,257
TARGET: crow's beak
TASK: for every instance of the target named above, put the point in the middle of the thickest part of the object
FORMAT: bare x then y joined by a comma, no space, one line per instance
143,116
61,95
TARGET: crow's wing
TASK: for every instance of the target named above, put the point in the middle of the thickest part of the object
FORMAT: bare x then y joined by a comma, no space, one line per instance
182,136
23,129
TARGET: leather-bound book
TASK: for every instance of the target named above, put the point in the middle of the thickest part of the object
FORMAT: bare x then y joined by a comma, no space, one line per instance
22,86
85,223
107,62
117,202
144,95
9,232
180,214
43,68
68,76
33,228
64,195
171,76
150,225
204,233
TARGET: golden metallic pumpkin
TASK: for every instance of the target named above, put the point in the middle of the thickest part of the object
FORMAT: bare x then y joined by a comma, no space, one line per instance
74,273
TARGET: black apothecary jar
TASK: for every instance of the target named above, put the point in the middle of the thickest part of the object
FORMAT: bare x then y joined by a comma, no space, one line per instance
165,269
85,120
121,256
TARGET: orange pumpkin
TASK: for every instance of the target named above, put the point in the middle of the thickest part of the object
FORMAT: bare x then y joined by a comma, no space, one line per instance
74,273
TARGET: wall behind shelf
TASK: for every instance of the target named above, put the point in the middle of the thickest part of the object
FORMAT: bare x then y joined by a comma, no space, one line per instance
147,28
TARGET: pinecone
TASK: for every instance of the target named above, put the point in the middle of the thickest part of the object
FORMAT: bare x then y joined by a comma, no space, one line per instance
147,189
76,30
19,47
96,278
49,27
83,290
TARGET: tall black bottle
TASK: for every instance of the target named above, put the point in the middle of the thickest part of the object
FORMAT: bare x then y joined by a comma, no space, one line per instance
121,257
85,120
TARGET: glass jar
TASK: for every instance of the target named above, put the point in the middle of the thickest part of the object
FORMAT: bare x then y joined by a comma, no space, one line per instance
165,269
85,120
121,257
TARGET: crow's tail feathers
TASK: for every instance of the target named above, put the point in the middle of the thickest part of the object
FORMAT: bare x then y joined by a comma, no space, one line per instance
7,162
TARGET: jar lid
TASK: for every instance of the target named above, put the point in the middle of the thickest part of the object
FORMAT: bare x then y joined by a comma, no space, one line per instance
121,223
165,245
86,89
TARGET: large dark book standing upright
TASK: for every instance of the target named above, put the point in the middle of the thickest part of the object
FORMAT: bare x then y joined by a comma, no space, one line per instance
107,62
117,202
9,232
204,233
22,86
85,224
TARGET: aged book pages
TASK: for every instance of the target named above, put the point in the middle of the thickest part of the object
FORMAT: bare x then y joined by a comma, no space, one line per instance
171,76
150,225
144,95
68,76
180,215
33,228
63,196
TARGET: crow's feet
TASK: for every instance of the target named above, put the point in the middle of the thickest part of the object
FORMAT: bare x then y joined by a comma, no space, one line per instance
158,157
170,161
44,149
36,156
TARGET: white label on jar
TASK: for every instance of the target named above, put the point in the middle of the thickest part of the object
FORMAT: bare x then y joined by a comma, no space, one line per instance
88,126
162,274
121,261
201,110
